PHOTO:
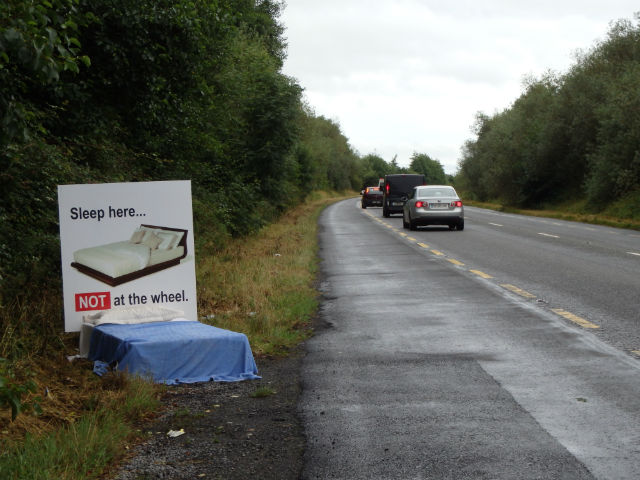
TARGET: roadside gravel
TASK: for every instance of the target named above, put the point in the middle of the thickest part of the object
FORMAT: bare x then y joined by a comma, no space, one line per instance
229,433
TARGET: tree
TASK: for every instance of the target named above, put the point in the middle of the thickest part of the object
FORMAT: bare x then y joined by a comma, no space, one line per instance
430,168
373,169
566,137
38,42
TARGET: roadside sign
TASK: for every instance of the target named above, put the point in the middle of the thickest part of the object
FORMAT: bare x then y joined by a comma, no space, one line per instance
126,245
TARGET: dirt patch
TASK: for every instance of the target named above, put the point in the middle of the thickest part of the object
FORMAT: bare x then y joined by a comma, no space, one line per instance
235,430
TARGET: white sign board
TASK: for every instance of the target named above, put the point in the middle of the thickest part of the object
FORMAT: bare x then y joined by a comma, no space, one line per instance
125,245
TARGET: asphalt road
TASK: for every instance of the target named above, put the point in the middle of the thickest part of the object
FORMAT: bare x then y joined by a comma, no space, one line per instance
505,351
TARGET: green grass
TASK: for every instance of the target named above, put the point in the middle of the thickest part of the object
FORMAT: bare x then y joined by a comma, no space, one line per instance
82,449
263,286
75,452
263,392
622,214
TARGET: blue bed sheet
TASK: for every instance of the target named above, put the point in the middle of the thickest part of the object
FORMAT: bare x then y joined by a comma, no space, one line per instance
175,352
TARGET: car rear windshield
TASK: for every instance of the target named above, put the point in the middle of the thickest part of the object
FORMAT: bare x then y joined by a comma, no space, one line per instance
429,192
404,183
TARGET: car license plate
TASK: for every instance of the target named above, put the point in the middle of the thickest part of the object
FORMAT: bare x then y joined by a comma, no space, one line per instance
397,204
436,206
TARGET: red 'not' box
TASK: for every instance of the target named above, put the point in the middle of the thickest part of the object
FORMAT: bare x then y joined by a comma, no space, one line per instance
93,301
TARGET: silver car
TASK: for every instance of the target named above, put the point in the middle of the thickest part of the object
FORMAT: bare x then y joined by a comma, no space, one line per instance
433,205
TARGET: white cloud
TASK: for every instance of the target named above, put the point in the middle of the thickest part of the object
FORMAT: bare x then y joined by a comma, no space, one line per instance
409,75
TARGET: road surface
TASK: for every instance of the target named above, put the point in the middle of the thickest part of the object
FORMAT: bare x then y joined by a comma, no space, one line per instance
505,351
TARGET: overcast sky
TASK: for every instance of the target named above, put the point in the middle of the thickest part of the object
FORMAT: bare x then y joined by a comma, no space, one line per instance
404,76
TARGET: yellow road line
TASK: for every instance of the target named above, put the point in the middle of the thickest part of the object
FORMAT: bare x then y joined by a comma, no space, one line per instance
574,318
636,352
423,245
517,290
455,262
481,274
412,239
402,234
437,252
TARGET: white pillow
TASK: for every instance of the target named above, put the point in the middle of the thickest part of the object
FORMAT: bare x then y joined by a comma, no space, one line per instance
179,236
137,314
148,231
137,236
169,240
152,241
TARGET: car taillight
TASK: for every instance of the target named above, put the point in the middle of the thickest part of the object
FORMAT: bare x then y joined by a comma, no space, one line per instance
387,187
456,203
419,204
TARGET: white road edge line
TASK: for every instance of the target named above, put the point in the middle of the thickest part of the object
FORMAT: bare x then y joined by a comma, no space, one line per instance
496,224
548,235
634,253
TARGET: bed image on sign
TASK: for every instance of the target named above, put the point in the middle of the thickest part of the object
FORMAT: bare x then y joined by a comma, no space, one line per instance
150,249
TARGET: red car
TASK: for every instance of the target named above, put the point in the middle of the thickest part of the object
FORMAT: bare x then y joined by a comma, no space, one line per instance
371,197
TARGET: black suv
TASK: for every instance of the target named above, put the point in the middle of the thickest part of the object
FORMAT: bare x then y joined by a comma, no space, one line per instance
396,189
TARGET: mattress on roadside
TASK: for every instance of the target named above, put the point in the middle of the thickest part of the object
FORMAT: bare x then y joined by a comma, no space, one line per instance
173,352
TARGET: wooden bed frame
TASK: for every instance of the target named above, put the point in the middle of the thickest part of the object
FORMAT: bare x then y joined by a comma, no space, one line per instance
115,281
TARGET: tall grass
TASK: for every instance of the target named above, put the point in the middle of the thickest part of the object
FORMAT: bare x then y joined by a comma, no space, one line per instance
83,448
263,286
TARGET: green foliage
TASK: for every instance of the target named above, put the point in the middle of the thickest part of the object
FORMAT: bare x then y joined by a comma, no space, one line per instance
80,451
327,160
119,91
565,137
628,207
373,169
430,168
38,44
12,392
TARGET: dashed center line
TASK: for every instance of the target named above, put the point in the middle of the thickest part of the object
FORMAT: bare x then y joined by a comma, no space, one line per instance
574,318
517,290
634,253
481,274
558,311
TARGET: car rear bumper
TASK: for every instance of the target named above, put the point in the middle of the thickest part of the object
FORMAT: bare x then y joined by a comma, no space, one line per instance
394,205
431,217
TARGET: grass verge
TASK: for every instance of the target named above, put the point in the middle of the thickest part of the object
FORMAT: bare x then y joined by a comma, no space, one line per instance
97,431
262,286
573,212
